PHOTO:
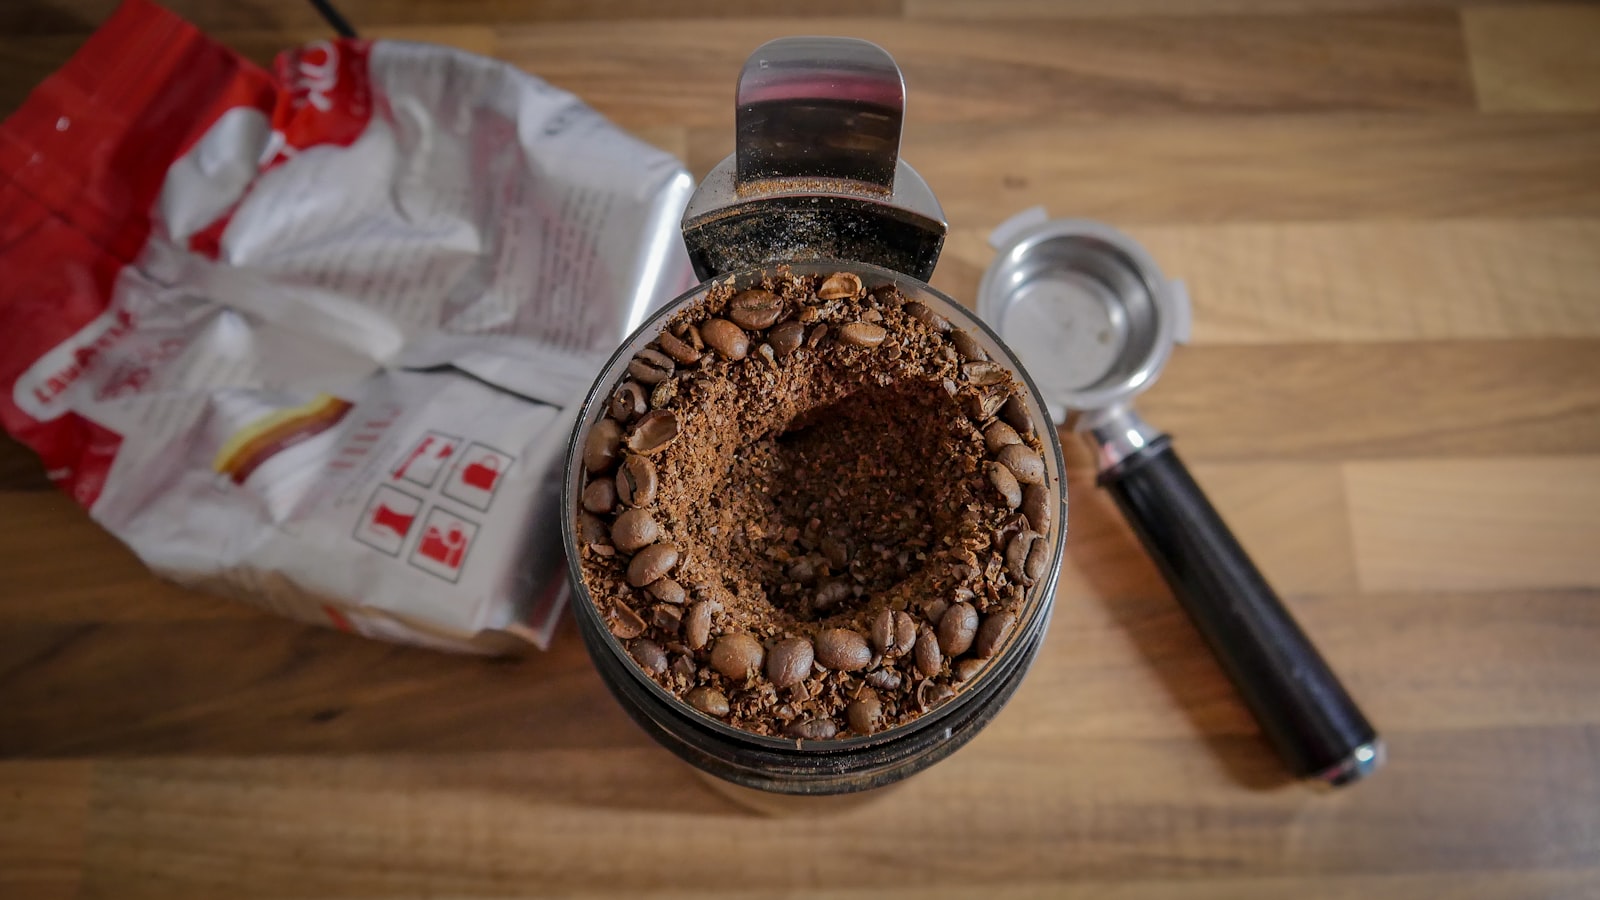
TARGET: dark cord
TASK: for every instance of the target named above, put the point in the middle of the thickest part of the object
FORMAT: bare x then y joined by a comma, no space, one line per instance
335,21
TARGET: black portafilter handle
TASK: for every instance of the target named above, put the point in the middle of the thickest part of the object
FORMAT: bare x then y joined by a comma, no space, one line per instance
1299,703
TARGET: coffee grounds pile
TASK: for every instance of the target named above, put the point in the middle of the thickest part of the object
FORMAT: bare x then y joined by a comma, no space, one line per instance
813,510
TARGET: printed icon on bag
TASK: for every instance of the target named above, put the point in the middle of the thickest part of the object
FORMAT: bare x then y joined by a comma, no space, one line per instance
426,458
442,549
477,475
387,519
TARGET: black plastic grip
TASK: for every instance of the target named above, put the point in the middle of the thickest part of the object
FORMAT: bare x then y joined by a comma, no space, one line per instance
1302,708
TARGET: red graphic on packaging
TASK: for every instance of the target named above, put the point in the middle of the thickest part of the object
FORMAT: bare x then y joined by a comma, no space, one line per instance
442,549
477,475
427,457
387,519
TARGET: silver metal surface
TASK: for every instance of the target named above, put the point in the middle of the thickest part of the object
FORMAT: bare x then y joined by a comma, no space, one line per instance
1115,433
1362,761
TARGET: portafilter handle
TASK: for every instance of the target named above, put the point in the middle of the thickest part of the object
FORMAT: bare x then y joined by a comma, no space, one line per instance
1302,708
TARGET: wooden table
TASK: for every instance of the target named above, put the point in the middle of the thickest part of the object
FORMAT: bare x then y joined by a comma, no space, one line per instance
1388,213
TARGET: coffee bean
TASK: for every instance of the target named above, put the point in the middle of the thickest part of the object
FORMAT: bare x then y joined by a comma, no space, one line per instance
649,655
984,373
667,618
968,346
737,656
697,628
708,700
831,594
786,338
651,366
667,591
683,668
843,650
1017,555
789,662
656,430
968,669
999,435
592,529
928,656
599,496
726,338
1006,484
813,729
677,348
862,334
883,631
884,679
653,562
1038,561
839,285
993,633
930,694
1015,412
634,529
602,446
624,622
662,394
905,633
927,316
957,627
865,715
982,404
691,336
754,309
934,610
627,402
1037,505
817,334
766,352
636,481
1023,463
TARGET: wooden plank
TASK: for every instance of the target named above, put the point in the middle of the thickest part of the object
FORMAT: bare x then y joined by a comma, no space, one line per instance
1360,281
1003,810
683,73
20,469
43,812
1475,524
1544,59
1172,170
1086,9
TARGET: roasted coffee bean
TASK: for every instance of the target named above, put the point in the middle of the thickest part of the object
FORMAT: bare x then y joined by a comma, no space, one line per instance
1008,527
1023,463
862,334
789,662
968,346
839,285
726,338
967,669
624,622
677,348
708,700
651,366
883,631
697,627
627,402
667,618
884,679
957,627
930,694
813,729
927,316
982,404
1018,552
636,481
667,591
843,650
928,656
683,667
786,338
653,562
1038,561
816,336
864,715
830,595
993,633
599,496
1015,412
649,655
1006,484
662,394
592,529
601,448
999,435
934,610
905,633
984,373
655,431
1037,505
754,309
691,336
737,656
633,529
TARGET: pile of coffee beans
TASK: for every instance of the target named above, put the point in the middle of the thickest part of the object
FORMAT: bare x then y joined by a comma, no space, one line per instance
814,509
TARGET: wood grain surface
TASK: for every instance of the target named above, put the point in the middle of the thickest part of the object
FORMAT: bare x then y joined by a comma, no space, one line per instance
1388,215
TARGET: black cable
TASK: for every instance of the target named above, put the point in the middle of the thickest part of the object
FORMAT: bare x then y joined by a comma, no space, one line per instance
335,21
